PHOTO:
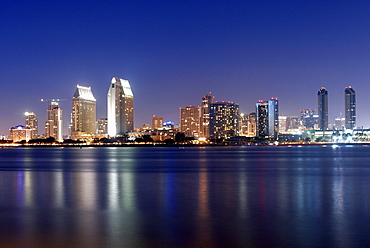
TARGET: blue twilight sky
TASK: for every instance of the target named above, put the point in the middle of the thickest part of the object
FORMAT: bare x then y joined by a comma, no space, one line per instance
174,52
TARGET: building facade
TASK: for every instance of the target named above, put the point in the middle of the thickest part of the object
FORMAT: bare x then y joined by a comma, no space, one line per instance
157,122
323,109
120,107
350,107
267,113
262,118
32,123
252,125
53,125
224,120
20,133
190,118
273,117
207,100
83,113
102,127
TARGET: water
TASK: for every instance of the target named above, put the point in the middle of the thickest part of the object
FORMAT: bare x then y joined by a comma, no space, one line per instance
185,197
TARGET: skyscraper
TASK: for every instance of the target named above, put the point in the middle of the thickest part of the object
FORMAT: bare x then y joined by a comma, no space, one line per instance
350,107
32,123
53,125
83,113
224,120
267,113
190,121
273,117
207,100
120,107
262,118
323,109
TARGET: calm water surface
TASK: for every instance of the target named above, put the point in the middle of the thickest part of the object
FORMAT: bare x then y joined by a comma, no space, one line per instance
185,197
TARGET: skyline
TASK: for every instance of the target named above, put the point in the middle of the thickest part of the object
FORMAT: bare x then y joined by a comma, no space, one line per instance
174,53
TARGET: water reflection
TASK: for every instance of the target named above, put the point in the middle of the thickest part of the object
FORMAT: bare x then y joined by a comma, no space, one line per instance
185,197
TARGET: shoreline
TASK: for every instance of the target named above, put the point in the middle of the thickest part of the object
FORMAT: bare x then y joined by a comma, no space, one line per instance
324,144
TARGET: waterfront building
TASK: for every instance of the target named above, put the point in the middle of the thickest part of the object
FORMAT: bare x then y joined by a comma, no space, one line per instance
120,107
157,122
273,117
252,125
262,118
243,124
19,133
83,113
267,113
32,123
223,120
53,125
207,100
339,123
248,125
323,109
310,122
350,107
190,118
293,122
283,126
102,127
305,113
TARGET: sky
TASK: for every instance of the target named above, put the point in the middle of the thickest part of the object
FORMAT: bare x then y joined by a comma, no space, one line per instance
174,52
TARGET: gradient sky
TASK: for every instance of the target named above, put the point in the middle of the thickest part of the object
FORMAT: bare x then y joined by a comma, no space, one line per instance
174,52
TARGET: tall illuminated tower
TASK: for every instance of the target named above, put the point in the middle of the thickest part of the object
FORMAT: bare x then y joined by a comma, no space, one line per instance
262,125
350,107
273,117
83,113
120,107
53,125
207,100
323,109
32,123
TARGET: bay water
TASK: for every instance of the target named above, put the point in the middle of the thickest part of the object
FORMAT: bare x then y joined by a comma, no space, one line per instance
244,196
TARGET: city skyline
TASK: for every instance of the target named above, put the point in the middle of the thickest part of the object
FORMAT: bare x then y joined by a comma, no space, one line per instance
84,92
173,53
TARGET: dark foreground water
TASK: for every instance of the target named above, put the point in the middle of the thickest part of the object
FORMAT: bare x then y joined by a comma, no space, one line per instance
185,197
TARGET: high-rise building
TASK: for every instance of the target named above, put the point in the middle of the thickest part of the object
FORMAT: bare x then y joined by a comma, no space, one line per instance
273,117
350,107
252,123
157,122
262,118
53,125
223,120
243,124
120,107
32,123
190,121
323,109
207,100
267,113
83,113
